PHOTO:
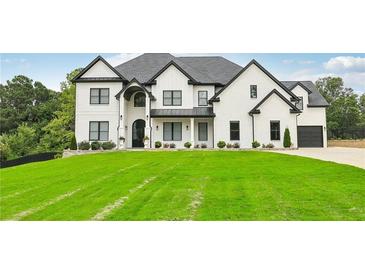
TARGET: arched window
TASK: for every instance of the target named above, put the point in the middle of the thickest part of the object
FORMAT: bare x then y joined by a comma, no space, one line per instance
140,100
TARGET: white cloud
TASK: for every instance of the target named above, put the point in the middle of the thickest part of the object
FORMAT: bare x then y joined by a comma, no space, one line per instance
345,63
287,61
306,62
121,58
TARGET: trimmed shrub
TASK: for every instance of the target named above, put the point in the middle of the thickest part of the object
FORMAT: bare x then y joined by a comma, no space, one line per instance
287,141
172,145
221,144
158,144
229,145
108,145
73,145
197,146
84,145
236,145
187,145
256,144
95,145
166,145
270,145
203,145
263,146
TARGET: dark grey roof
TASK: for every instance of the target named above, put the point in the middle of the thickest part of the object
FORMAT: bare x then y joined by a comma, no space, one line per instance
206,70
315,99
193,112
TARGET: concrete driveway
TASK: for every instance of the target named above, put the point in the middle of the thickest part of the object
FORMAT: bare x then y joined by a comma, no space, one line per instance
342,155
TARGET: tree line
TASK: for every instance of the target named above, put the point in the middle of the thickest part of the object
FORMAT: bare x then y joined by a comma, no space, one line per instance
36,119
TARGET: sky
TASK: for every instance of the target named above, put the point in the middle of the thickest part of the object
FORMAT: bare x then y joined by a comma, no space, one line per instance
51,68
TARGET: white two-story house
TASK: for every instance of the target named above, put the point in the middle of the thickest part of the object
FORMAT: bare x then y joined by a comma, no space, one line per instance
201,100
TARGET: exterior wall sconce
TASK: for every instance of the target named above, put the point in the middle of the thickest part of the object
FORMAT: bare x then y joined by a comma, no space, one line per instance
126,127
156,127
187,127
121,117
147,116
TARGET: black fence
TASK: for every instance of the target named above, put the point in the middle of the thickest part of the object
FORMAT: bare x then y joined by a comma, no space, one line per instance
29,159
358,133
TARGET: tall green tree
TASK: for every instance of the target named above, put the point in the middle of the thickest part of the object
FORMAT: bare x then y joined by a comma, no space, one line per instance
344,111
57,134
25,101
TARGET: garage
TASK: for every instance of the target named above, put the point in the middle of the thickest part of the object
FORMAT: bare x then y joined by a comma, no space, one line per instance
310,136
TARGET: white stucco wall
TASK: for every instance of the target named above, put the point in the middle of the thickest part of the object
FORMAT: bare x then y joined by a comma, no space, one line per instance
86,112
99,70
172,79
235,103
311,116
275,109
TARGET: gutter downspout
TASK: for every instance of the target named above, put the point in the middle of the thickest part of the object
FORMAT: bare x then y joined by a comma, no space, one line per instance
149,117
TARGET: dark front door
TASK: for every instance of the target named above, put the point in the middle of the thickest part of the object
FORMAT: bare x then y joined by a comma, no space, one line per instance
138,133
310,136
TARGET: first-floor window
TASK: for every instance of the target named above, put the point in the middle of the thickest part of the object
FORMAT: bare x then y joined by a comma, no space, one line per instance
299,104
203,131
99,131
234,130
275,130
172,131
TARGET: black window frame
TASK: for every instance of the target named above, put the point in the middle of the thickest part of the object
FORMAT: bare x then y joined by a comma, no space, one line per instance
173,124
199,132
252,90
99,96
204,98
134,100
99,122
172,97
275,132
234,131
300,107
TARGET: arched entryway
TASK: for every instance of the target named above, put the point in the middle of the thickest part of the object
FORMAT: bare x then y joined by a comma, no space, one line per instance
138,133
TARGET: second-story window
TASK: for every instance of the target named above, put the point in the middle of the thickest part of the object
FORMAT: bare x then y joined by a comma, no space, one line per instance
202,98
99,96
172,98
299,104
253,91
140,100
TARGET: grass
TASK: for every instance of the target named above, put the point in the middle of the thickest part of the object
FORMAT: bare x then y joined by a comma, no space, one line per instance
183,185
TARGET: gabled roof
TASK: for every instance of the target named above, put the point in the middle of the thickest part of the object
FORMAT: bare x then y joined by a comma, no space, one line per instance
78,78
212,70
254,62
171,63
134,80
256,110
315,99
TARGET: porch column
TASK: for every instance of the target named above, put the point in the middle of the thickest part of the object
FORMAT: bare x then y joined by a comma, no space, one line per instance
122,118
147,129
192,128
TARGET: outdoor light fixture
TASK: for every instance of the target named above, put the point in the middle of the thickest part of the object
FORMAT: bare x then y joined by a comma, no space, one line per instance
187,127
156,127
121,117
126,127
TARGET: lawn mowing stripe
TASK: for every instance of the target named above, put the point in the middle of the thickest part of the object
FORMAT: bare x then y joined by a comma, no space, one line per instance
101,215
25,213
118,203
30,211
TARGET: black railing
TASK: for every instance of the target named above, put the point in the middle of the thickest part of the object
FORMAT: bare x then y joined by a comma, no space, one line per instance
358,133
45,156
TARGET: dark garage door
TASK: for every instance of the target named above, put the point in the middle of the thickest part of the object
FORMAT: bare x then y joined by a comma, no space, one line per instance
310,136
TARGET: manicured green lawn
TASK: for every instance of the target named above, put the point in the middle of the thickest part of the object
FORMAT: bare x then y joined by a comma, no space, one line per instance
183,185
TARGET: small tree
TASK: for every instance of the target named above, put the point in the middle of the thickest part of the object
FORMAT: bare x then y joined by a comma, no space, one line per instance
287,141
73,145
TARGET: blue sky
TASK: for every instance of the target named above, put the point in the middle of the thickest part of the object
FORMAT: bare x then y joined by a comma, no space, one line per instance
51,69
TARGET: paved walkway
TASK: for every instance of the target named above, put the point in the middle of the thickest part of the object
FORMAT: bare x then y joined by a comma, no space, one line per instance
342,155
